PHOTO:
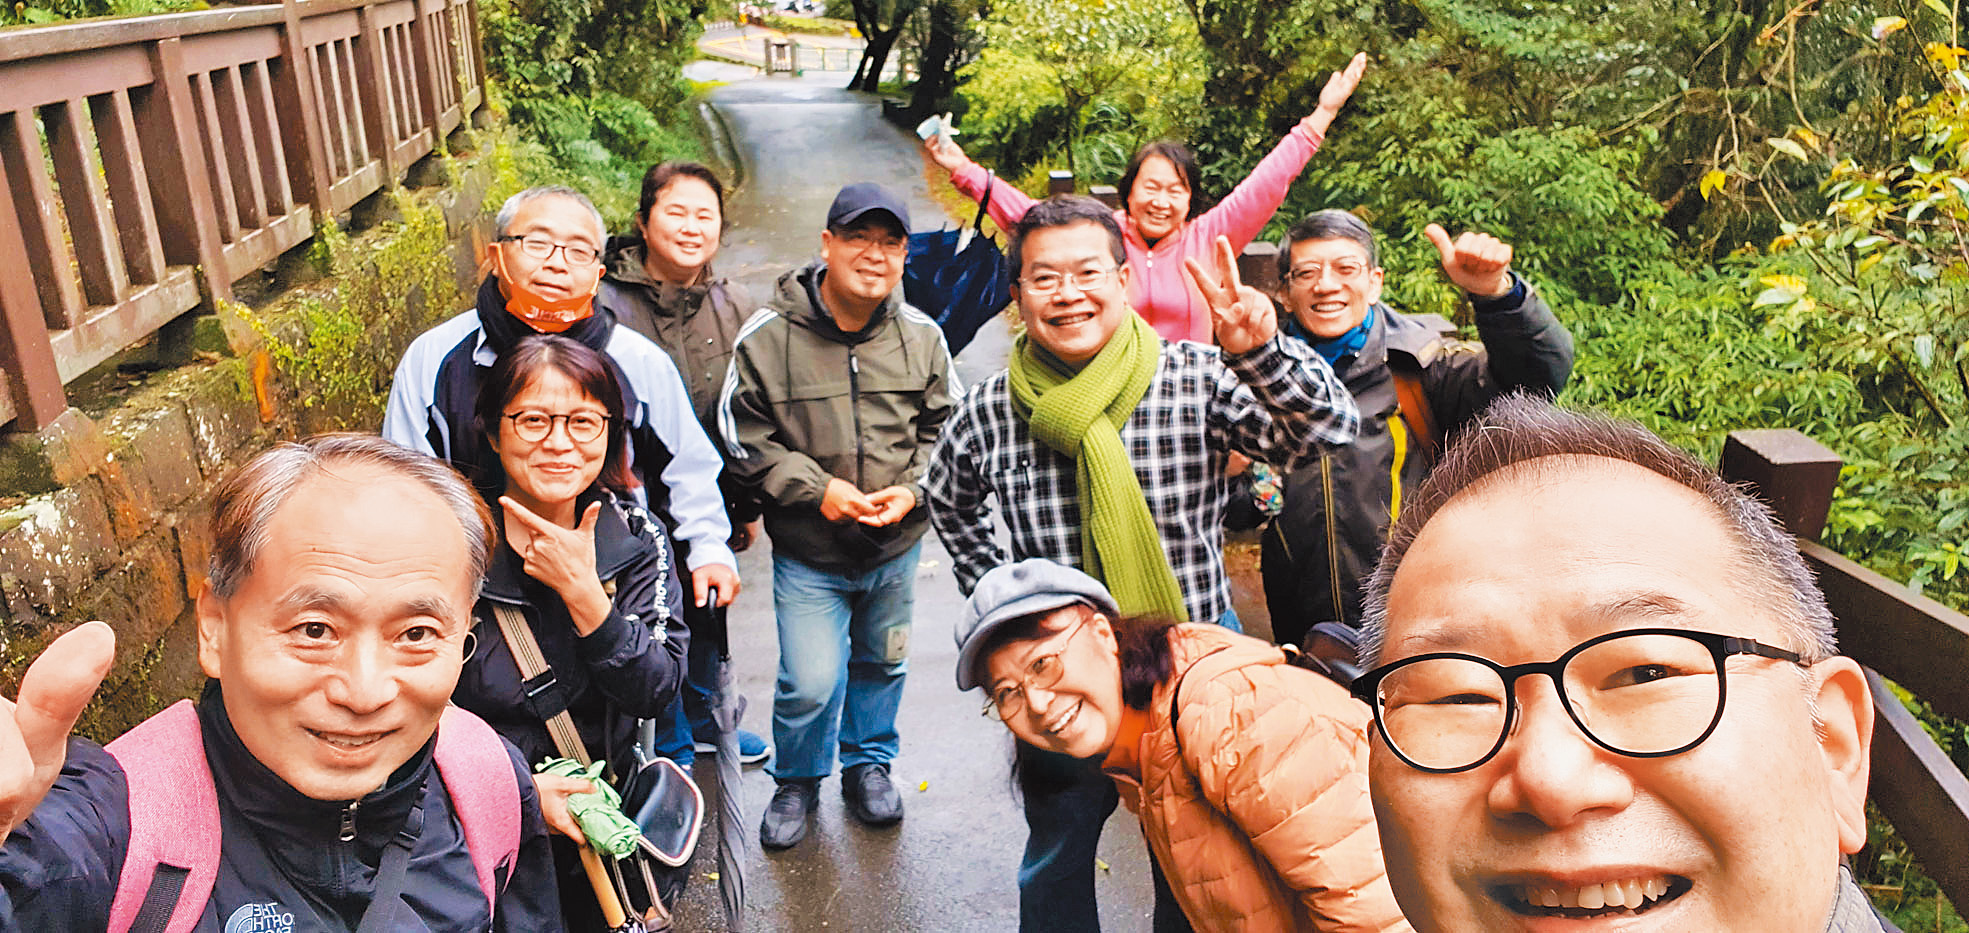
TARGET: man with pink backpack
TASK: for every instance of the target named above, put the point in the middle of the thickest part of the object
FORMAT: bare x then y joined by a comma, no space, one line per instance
320,782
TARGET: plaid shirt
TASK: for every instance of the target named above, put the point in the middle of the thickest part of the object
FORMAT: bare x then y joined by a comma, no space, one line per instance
1278,404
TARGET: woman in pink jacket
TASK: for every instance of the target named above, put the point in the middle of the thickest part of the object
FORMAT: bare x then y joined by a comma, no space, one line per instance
1156,222
1249,775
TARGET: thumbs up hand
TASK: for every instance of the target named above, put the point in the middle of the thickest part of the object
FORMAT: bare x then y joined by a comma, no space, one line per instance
1478,263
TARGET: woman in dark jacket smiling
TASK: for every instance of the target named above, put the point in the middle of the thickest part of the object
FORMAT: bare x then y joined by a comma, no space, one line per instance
588,569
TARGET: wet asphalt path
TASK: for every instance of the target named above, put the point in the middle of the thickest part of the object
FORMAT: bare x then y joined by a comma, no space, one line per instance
951,865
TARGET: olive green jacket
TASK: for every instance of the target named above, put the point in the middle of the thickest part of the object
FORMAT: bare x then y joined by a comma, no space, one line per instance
695,324
805,402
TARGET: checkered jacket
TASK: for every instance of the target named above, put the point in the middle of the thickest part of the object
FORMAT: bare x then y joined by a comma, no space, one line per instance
1278,404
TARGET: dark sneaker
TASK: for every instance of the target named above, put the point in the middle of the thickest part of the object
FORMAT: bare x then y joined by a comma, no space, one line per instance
788,815
872,798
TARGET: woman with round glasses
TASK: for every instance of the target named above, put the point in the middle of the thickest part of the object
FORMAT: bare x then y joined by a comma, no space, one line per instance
588,571
1249,775
1159,223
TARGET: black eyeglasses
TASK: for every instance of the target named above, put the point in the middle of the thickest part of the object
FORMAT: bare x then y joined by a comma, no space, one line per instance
534,426
539,247
1643,693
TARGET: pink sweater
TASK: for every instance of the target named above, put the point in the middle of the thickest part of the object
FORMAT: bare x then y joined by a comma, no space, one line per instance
1160,293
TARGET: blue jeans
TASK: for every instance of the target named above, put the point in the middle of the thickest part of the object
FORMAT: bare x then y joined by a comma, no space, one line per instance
1056,876
843,641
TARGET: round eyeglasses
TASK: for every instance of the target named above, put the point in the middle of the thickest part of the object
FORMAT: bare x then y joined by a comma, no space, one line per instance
1643,693
1042,672
534,426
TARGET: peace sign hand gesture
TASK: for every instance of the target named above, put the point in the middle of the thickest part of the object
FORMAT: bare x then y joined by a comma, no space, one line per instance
1243,318
34,730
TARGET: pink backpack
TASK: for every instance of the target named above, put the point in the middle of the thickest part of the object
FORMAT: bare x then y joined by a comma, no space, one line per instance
173,860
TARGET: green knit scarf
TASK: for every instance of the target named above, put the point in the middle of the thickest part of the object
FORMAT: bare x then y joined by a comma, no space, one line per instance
1080,415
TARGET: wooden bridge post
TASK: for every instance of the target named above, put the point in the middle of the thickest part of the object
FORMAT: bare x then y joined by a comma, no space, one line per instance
1106,194
478,50
187,219
304,137
33,381
1792,472
425,69
1059,181
379,112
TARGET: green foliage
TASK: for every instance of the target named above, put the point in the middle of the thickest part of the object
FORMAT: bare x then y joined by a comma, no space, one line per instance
43,12
1080,80
1559,192
597,88
327,349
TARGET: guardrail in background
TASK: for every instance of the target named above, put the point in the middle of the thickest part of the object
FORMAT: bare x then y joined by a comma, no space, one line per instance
152,159
1896,633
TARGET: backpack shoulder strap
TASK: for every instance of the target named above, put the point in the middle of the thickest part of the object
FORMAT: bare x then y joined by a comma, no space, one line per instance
478,776
1413,403
173,858
1213,664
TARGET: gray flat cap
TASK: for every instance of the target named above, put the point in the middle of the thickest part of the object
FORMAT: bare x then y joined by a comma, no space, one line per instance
1015,590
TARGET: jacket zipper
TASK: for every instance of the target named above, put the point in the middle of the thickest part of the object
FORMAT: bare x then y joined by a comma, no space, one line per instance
1332,533
349,821
854,402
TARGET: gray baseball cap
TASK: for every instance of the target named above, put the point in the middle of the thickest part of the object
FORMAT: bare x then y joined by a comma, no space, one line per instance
1012,591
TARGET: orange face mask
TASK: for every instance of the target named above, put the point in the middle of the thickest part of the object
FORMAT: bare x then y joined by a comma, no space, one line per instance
547,315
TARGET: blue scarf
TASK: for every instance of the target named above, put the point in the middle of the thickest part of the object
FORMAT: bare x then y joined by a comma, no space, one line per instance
1347,344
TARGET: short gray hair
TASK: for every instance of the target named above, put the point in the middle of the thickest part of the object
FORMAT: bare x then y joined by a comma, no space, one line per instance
1519,428
1329,224
249,497
513,204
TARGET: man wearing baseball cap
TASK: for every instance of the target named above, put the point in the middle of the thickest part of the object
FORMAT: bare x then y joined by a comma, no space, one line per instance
837,390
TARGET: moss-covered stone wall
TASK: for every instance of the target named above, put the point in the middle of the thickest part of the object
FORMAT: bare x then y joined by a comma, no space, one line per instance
106,511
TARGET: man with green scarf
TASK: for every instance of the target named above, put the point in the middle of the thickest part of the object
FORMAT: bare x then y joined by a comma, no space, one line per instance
1105,447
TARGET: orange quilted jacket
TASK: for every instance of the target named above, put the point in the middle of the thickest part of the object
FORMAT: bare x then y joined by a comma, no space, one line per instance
1255,799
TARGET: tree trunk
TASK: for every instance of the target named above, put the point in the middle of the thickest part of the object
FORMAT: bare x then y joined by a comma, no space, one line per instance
873,56
938,63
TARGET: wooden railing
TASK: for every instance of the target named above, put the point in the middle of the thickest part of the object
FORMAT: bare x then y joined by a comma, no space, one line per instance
154,160
1916,642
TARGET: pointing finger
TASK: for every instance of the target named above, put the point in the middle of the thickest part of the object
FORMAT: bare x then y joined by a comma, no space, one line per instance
526,517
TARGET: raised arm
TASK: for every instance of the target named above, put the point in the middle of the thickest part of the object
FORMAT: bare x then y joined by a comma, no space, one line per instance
1526,346
1008,204
1243,213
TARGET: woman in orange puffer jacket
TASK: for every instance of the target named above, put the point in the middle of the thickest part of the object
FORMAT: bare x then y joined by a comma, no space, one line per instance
1249,775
